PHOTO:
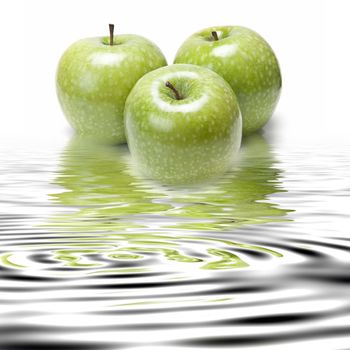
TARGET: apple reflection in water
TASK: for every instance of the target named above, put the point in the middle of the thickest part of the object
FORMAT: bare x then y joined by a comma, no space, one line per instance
99,182
124,217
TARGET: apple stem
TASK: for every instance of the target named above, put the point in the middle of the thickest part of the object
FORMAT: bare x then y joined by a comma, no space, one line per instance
172,87
111,34
214,34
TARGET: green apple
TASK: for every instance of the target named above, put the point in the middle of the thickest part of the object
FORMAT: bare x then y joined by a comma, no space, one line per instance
246,61
183,124
94,78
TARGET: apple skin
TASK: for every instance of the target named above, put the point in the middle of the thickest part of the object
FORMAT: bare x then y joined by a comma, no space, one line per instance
188,140
246,61
94,79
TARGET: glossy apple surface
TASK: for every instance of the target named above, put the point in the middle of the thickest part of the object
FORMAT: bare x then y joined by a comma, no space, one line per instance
94,79
246,61
182,140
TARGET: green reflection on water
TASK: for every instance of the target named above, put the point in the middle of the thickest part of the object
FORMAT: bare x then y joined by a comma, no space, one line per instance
114,205
112,215
228,260
95,179
98,180
240,197
5,260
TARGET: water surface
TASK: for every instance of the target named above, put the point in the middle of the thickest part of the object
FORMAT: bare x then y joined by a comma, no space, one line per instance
94,257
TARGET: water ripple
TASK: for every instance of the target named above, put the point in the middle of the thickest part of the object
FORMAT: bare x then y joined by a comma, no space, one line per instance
94,257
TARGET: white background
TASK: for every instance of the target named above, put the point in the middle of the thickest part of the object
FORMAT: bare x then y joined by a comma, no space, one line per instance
309,37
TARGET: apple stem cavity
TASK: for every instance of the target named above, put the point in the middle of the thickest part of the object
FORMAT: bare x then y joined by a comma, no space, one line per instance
169,85
214,35
111,34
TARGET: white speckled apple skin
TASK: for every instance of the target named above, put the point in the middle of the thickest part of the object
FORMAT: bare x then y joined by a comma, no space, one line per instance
188,140
246,61
94,79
